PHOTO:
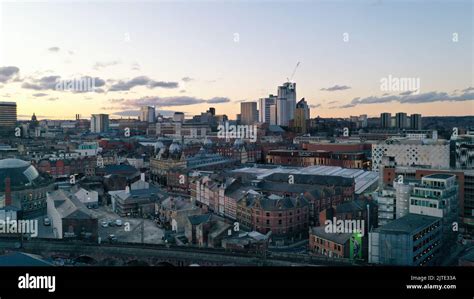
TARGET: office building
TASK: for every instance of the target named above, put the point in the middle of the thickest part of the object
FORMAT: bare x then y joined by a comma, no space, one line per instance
8,117
249,113
273,114
264,108
301,117
385,120
432,153
401,120
461,152
415,122
147,114
386,202
413,240
281,112
99,123
286,103
437,196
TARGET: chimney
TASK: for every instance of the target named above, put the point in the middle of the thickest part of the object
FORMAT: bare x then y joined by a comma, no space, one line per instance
127,189
142,176
8,192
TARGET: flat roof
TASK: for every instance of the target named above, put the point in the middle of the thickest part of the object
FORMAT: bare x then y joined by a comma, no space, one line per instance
363,179
439,176
410,223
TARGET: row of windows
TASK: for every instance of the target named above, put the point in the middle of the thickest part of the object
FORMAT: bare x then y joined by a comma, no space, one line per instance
279,214
423,203
425,231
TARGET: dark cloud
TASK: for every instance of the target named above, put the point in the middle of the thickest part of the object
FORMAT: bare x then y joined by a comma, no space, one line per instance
54,49
428,97
336,88
8,73
187,79
218,100
468,89
40,94
141,81
408,92
101,65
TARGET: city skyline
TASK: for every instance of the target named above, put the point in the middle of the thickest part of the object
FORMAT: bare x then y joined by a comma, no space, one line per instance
191,56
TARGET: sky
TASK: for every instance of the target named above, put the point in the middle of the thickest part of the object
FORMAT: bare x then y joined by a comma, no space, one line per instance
191,55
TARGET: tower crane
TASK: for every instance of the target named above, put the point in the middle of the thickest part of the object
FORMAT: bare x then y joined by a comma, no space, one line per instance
294,71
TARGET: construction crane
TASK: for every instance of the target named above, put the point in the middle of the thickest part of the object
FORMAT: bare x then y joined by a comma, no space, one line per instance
294,71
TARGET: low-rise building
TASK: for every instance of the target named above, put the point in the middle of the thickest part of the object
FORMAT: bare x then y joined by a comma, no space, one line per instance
412,240
70,218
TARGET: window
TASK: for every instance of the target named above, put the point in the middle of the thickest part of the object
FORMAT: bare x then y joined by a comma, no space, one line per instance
279,221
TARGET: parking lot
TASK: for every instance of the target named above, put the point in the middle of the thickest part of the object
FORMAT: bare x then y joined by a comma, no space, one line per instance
129,231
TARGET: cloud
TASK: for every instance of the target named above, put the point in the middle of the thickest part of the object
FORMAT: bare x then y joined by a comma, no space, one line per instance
135,113
40,94
218,100
127,113
333,102
54,49
135,66
315,106
182,91
468,89
8,73
187,79
53,99
428,97
336,88
141,81
167,101
43,83
408,92
101,65
76,85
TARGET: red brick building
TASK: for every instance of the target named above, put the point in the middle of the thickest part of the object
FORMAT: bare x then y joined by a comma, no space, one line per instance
286,217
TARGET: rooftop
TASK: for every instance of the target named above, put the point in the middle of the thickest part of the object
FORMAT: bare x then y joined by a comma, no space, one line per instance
440,176
410,223
363,179
339,238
